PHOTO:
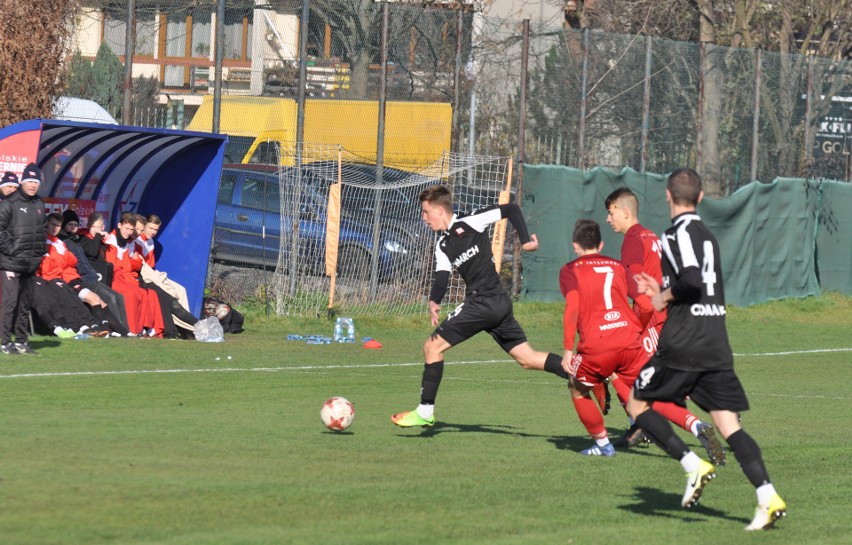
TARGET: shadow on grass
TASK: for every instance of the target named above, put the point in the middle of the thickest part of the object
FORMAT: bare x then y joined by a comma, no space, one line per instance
656,503
446,427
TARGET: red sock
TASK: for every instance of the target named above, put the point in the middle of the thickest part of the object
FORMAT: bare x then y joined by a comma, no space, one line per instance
599,391
675,414
590,416
622,390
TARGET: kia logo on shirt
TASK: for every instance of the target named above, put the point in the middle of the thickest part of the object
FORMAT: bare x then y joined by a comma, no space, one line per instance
610,316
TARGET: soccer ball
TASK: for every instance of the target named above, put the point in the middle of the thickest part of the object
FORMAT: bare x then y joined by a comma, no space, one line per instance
337,413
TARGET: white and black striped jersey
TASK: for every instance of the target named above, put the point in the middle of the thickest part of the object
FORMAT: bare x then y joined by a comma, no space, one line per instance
466,247
694,337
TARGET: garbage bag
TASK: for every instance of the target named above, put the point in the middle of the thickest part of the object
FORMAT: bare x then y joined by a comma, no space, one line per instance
209,330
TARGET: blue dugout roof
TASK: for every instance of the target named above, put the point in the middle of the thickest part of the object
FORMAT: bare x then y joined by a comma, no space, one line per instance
114,169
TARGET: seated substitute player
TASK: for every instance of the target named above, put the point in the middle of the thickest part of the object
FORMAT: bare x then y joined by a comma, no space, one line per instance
178,302
58,268
464,245
694,357
90,277
143,307
596,307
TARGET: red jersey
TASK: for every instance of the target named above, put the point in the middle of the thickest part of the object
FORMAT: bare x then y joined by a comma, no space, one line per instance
146,248
641,251
58,262
126,260
596,305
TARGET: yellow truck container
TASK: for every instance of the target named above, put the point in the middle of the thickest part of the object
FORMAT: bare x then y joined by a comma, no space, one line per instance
416,133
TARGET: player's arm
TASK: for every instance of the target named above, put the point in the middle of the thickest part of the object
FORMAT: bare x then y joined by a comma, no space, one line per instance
440,282
633,257
642,304
483,218
687,287
571,315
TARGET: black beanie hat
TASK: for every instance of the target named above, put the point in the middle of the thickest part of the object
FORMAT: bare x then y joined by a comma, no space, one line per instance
31,174
70,215
10,178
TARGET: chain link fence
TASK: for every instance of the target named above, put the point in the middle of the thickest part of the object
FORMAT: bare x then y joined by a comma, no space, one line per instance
592,98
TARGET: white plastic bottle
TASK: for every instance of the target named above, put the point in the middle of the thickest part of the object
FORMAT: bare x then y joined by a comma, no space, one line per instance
344,330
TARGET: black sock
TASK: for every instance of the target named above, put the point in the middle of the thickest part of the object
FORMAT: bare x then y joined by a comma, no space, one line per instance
432,373
553,364
748,455
658,428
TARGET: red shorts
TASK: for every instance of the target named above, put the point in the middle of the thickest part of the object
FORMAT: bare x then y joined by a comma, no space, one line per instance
592,369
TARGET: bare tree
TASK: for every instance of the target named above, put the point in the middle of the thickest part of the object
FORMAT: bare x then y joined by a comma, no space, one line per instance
32,46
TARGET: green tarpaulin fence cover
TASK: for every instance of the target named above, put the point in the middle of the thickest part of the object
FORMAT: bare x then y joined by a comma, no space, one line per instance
788,238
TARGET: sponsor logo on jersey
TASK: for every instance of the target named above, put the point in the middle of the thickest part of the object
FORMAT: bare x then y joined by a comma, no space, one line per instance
612,315
707,310
465,256
459,231
671,237
613,325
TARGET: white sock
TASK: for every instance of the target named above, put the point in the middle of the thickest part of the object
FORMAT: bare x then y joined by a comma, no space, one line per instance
425,411
694,427
602,442
765,493
690,462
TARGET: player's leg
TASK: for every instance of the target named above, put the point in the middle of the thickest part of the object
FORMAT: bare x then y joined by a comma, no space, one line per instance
657,383
585,373
433,371
722,393
511,337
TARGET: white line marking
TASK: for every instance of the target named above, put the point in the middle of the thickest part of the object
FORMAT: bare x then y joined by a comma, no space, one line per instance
235,369
329,367
794,352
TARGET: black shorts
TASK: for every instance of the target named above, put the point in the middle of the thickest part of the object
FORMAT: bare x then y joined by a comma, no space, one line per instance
491,313
710,390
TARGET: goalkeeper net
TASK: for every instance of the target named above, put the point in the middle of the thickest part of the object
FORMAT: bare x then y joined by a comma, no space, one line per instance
359,245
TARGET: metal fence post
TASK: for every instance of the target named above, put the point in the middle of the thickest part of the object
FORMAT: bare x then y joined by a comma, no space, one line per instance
699,114
522,142
755,126
296,192
646,106
129,48
380,157
584,85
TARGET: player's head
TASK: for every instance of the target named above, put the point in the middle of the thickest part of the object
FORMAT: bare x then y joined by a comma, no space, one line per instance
152,226
436,207
127,225
684,187
587,236
622,210
53,224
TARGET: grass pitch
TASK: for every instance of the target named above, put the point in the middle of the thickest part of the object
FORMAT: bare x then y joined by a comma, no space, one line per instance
131,441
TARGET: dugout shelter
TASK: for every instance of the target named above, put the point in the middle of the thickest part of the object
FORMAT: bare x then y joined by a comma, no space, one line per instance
112,169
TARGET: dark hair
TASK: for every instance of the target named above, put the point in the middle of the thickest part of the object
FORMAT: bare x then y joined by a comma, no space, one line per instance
95,216
155,219
438,195
684,185
139,218
587,234
127,217
55,216
622,192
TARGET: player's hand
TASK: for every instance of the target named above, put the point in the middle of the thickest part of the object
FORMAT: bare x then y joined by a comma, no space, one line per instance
532,245
434,310
567,358
647,284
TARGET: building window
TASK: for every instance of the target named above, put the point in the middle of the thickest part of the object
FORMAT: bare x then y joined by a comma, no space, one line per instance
115,27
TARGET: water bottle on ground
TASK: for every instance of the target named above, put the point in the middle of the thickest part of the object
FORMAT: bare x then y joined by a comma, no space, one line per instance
344,330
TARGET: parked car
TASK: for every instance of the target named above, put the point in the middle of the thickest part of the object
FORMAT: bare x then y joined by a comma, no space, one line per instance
249,224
